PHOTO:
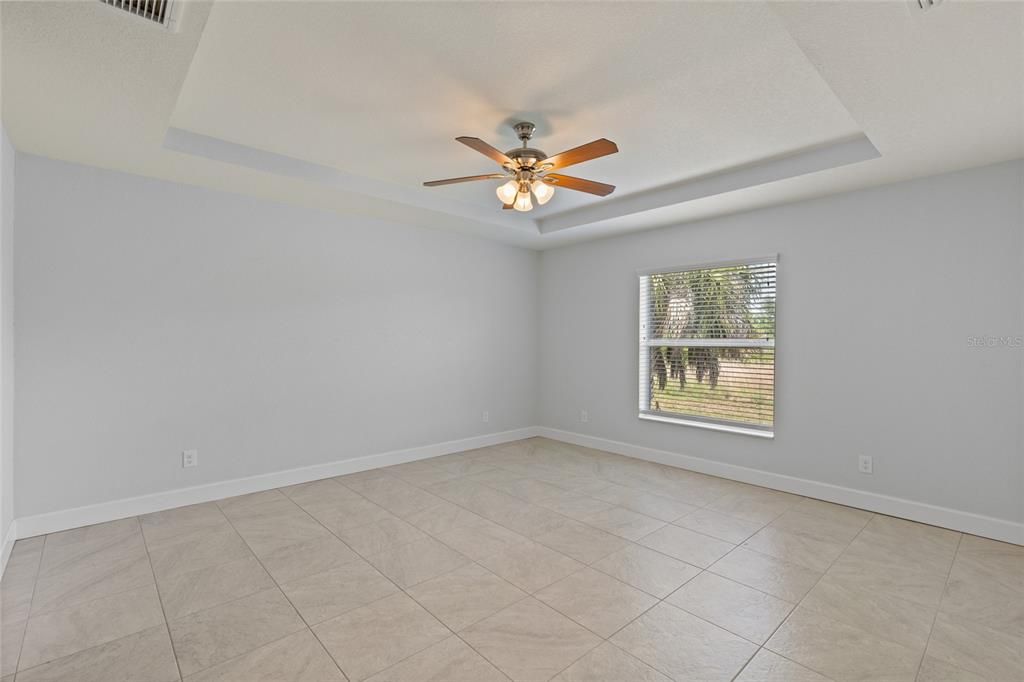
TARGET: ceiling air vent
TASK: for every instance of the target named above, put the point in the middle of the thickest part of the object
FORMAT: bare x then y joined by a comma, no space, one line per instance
157,11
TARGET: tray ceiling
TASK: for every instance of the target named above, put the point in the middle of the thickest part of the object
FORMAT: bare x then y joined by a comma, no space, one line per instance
716,107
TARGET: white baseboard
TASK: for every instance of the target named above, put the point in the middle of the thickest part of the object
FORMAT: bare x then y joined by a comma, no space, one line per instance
29,526
8,546
976,524
966,522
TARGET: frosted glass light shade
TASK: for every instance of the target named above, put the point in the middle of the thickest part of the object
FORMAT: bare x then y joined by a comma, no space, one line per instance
507,192
523,202
543,191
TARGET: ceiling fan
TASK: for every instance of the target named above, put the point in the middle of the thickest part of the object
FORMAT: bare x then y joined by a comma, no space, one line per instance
528,170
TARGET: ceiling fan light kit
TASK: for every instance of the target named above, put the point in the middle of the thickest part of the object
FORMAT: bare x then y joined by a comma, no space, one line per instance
523,202
542,191
507,192
527,171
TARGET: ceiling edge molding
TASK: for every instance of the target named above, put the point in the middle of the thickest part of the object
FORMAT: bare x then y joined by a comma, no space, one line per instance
823,157
216,149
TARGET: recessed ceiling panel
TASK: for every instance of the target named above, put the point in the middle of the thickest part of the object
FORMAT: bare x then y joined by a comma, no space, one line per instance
381,89
371,95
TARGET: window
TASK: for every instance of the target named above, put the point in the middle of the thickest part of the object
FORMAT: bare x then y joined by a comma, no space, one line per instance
707,346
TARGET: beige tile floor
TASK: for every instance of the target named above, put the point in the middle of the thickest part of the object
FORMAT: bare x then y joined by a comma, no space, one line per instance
534,560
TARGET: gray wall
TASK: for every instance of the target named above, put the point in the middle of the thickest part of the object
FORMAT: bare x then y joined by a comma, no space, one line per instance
878,293
154,317
7,156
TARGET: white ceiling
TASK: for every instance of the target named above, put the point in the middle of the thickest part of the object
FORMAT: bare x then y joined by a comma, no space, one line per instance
350,106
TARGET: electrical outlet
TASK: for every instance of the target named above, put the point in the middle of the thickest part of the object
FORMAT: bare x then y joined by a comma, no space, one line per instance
866,464
584,417
486,416
190,458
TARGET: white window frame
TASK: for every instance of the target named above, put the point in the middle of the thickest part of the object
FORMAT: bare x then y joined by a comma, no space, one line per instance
644,379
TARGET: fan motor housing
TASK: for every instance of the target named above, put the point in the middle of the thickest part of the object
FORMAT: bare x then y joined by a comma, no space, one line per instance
526,157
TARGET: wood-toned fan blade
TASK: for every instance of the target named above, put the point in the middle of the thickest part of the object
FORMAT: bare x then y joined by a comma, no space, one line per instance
485,149
506,206
468,178
586,152
579,184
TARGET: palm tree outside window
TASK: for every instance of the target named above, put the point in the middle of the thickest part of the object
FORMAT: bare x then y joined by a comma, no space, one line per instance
707,345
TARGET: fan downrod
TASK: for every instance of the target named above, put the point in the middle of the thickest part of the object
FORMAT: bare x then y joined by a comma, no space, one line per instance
525,156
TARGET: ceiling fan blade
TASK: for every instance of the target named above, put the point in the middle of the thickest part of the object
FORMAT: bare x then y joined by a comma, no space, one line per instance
468,178
586,152
485,149
506,206
579,184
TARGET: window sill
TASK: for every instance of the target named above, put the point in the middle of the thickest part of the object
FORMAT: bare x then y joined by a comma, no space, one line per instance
707,425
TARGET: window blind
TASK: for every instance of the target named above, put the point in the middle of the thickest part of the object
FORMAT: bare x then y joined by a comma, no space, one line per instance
707,344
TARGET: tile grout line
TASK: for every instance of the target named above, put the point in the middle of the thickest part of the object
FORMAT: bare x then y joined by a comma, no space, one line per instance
665,523
405,591
527,594
633,620
277,585
31,602
800,601
569,518
389,475
386,577
160,599
218,565
664,600
632,542
938,607
106,596
456,634
584,565
796,604
87,601
35,582
398,587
